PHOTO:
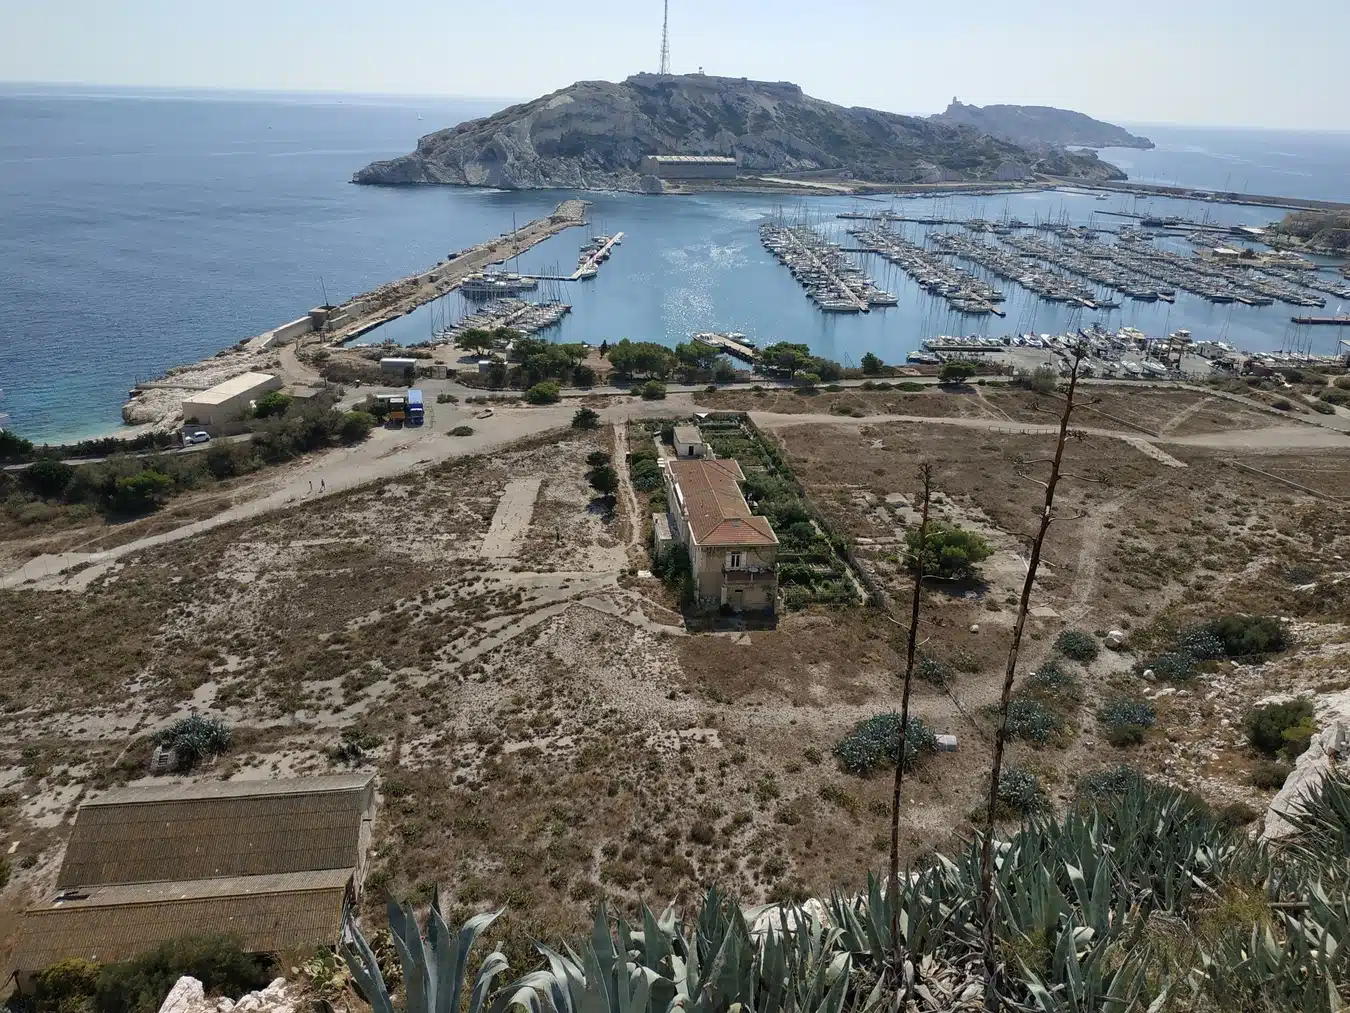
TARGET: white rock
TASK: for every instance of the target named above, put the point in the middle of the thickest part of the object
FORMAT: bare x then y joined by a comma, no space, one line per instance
974,627
1115,639
1149,676
186,996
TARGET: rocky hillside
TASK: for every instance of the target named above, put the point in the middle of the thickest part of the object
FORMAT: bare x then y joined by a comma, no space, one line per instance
1037,126
595,133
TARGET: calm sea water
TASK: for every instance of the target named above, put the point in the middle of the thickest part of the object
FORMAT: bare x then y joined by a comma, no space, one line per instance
142,231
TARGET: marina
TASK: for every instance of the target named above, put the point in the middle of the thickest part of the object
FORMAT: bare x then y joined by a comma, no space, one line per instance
834,283
517,314
963,292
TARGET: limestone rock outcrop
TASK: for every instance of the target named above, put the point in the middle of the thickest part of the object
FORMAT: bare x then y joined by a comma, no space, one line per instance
593,135
188,996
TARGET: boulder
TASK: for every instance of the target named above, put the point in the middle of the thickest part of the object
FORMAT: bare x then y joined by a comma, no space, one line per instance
186,996
1115,639
1328,751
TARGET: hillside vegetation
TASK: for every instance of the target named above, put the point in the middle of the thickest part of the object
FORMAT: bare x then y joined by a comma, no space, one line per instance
594,134
1041,125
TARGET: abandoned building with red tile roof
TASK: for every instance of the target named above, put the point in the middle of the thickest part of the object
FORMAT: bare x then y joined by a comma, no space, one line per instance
271,863
732,552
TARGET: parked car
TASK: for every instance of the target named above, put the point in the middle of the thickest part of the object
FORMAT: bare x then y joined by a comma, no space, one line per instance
200,436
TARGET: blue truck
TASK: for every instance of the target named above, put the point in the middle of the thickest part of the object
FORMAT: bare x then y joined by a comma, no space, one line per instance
416,412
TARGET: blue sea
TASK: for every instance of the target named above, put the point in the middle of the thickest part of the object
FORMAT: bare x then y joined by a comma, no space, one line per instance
143,230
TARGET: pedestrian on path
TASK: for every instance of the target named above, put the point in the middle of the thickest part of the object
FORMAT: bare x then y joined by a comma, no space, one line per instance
311,485
321,485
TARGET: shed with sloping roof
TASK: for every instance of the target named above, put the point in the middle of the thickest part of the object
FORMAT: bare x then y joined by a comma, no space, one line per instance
270,863
222,828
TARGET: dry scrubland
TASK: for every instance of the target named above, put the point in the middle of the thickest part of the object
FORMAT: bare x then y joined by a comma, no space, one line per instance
545,731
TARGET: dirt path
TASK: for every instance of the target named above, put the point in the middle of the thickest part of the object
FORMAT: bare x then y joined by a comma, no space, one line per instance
511,518
1089,552
628,500
1191,409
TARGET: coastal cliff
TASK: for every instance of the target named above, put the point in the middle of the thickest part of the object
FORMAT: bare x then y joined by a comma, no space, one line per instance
1039,126
594,134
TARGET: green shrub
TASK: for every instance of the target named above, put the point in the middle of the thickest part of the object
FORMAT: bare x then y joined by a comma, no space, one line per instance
66,985
1020,792
872,743
1270,776
1173,666
545,392
908,386
1032,721
48,478
1108,783
1201,643
462,431
140,493
1281,728
1051,680
597,459
140,984
271,404
646,474
1283,404
586,418
1322,408
1077,645
933,670
1242,636
356,426
948,551
653,390
1121,710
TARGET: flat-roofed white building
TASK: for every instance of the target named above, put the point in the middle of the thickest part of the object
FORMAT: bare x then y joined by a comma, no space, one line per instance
228,401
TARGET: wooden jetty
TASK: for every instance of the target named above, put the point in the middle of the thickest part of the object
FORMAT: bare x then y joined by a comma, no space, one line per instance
730,344
1341,321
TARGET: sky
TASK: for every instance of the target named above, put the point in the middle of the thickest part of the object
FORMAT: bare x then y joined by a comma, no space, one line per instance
1202,62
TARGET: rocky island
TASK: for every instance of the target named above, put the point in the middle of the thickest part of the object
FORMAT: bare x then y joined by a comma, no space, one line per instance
594,134
1040,126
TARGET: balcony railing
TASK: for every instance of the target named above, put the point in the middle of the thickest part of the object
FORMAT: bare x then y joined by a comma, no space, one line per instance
746,575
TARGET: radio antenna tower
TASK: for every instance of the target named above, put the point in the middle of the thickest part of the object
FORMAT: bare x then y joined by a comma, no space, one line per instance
665,41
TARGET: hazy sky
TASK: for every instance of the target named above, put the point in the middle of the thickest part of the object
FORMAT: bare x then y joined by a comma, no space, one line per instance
1220,62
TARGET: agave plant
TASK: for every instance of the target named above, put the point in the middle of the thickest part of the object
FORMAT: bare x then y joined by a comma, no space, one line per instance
434,967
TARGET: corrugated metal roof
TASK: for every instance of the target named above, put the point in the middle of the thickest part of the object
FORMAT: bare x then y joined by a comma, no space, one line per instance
216,829
717,512
696,159
265,913
174,791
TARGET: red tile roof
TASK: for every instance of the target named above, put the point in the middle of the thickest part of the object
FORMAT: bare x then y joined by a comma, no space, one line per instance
717,512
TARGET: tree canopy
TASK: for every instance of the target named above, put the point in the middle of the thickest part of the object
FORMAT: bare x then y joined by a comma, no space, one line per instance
956,371
948,551
630,358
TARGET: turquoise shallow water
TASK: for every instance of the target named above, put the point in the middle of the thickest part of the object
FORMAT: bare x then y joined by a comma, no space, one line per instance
144,231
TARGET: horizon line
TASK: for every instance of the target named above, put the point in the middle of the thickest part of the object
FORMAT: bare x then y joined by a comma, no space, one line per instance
207,91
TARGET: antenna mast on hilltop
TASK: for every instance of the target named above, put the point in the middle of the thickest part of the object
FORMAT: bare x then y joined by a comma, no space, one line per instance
665,41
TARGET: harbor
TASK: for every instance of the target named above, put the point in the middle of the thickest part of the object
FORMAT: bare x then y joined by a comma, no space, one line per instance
835,284
964,293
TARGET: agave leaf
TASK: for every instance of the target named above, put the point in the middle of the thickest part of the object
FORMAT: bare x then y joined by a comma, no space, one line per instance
365,969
